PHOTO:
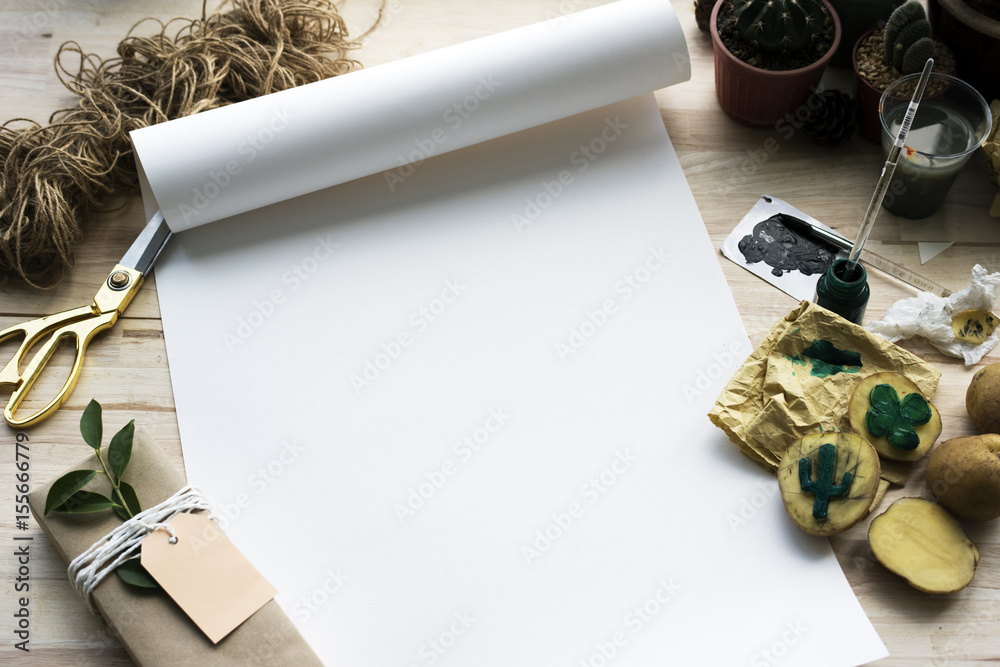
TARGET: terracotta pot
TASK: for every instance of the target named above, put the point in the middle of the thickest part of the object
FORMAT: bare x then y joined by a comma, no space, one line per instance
868,96
975,41
759,97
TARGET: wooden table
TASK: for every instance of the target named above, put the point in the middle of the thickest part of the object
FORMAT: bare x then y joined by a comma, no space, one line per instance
727,165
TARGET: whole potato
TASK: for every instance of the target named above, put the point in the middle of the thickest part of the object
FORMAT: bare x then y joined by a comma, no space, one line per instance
964,475
982,400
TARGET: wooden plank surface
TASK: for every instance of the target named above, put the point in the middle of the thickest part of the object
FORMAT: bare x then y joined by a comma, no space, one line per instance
728,167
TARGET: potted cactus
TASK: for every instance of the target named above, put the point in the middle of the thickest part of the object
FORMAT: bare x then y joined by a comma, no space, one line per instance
883,55
770,55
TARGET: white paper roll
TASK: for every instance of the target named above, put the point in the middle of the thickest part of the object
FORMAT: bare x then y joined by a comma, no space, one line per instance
241,157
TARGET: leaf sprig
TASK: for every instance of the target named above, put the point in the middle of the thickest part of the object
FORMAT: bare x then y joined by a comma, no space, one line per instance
69,495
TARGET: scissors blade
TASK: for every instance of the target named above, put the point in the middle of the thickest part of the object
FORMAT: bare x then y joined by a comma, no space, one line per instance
147,246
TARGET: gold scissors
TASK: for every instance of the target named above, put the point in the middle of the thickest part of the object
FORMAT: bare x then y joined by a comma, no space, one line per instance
81,324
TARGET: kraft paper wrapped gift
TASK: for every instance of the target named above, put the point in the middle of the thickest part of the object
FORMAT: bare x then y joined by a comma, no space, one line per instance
151,627
776,397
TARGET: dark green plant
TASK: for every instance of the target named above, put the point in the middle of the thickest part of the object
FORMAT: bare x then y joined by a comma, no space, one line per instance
907,38
67,494
777,26
889,416
823,487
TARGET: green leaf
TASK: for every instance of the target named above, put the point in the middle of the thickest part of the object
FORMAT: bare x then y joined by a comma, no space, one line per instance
878,423
134,574
85,502
91,427
915,409
63,488
120,449
128,499
896,419
884,398
903,435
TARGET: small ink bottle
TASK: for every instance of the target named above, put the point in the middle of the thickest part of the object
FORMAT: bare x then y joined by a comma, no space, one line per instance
846,295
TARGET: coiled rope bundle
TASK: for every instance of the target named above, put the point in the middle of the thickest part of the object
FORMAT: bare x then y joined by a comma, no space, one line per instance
52,177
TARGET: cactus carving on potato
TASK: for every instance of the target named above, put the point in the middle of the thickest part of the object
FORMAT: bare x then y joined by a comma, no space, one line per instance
777,26
907,38
823,487
828,481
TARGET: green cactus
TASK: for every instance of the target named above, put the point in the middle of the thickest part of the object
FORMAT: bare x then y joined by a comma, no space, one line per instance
777,26
907,38
823,488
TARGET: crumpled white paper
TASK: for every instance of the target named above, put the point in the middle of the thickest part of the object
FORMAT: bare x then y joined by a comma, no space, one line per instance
930,316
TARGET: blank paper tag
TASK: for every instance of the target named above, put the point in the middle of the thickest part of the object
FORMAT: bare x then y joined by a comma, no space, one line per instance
205,574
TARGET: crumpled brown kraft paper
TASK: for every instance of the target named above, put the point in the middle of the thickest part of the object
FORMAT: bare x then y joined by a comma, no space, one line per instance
777,396
151,627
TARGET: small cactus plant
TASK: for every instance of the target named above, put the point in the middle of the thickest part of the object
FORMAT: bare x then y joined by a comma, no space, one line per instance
777,26
907,38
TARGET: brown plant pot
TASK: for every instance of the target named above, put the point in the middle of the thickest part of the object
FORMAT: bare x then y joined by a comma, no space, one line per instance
868,96
759,97
975,41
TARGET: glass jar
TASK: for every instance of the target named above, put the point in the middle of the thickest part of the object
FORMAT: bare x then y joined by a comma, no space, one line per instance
846,295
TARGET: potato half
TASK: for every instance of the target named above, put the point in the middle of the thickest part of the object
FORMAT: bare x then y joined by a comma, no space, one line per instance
872,404
921,542
973,326
828,481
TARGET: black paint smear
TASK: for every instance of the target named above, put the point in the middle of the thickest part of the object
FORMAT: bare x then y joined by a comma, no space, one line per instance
784,250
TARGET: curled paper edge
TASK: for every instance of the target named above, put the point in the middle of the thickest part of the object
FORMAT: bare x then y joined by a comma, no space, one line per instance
225,161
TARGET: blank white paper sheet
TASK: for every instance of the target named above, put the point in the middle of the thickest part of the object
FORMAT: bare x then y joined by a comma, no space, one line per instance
455,410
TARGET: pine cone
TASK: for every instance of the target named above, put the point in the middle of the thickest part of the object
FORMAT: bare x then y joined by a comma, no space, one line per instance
703,13
834,121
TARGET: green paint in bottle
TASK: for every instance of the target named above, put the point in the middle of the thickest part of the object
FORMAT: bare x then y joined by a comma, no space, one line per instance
846,295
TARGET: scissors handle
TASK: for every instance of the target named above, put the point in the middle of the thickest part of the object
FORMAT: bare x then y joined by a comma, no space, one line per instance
33,331
82,332
79,324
